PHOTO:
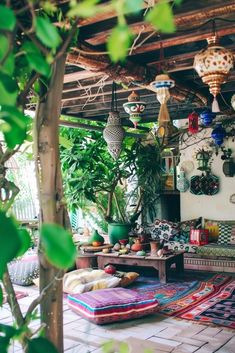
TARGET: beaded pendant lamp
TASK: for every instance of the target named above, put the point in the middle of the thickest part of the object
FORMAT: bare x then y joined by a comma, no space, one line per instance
213,65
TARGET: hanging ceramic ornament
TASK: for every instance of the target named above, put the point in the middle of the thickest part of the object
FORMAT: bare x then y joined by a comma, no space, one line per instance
162,84
193,123
134,107
218,134
213,65
114,134
182,183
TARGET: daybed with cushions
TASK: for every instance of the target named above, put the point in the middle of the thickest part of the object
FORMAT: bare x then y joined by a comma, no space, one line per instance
218,255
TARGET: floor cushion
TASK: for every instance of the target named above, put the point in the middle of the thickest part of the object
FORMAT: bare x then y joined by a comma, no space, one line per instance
24,270
87,279
181,246
217,250
112,304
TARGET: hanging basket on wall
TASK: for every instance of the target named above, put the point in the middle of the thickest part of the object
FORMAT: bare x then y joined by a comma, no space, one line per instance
162,84
213,65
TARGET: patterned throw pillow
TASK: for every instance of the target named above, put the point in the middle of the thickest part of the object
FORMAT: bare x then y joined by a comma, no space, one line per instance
232,239
184,230
163,230
213,227
225,232
24,270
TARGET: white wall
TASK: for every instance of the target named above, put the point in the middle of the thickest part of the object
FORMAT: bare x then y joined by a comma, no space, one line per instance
218,206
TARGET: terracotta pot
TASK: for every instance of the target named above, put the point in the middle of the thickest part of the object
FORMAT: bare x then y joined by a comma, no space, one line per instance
137,246
154,247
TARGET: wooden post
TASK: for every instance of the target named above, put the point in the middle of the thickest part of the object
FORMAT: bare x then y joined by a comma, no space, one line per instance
46,131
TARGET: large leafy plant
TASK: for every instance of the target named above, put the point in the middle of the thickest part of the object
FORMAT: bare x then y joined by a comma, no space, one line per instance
92,176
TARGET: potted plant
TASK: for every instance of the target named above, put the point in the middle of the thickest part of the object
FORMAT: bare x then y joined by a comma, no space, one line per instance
121,190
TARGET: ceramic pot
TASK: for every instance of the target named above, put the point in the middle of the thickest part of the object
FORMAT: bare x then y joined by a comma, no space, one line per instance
137,246
96,238
118,231
154,247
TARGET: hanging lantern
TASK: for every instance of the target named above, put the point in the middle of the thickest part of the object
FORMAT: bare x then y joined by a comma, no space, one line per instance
114,134
207,117
193,123
213,65
162,84
134,107
218,134
203,158
233,101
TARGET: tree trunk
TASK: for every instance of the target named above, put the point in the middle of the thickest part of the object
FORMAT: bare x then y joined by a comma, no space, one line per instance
51,198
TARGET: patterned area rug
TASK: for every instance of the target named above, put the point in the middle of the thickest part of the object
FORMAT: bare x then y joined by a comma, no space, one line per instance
207,300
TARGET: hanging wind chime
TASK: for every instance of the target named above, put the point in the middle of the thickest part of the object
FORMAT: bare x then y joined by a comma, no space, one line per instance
134,107
113,132
213,65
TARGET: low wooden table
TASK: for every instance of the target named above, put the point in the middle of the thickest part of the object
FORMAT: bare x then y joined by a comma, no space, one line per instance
161,264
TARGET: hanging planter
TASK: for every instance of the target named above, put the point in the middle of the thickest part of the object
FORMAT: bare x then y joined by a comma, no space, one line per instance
207,116
218,134
162,84
134,107
213,65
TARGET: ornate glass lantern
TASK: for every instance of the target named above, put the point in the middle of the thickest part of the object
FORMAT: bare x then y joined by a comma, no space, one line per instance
134,107
218,134
213,65
207,117
162,84
203,158
193,123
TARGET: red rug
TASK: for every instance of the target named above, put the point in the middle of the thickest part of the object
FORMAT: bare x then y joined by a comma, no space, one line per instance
19,295
213,302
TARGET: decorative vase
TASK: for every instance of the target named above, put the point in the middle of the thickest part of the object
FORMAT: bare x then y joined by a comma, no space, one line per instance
114,134
96,238
207,117
118,231
137,246
182,183
154,247
193,123
134,107
218,134
213,65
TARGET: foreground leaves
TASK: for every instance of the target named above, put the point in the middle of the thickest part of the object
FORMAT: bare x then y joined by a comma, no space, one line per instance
1,296
47,32
58,246
7,18
161,17
6,334
10,242
39,345
119,42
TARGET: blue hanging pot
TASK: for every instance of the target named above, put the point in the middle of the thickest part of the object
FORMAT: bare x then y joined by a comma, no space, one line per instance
207,117
218,134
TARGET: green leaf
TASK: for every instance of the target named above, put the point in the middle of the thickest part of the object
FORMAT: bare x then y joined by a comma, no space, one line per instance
7,18
18,124
6,97
124,348
47,32
9,84
119,42
25,241
1,296
41,344
161,17
9,241
4,45
132,5
58,245
7,333
36,60
108,347
9,64
84,9
178,2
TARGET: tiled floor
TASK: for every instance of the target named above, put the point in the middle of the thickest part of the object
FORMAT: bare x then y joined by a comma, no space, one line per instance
154,333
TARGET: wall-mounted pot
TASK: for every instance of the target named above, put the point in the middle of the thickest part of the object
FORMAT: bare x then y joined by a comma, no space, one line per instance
229,168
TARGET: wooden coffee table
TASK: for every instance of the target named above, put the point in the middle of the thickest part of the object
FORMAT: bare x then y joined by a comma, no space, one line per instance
161,264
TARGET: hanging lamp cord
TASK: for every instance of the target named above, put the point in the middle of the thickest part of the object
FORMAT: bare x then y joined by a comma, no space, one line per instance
114,97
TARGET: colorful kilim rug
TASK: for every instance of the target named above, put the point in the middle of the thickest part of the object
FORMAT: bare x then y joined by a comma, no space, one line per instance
207,300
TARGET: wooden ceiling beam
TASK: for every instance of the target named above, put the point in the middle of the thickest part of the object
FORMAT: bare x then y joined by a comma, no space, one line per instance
185,20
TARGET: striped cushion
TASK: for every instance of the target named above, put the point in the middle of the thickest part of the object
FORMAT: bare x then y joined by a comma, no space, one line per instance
112,304
225,231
